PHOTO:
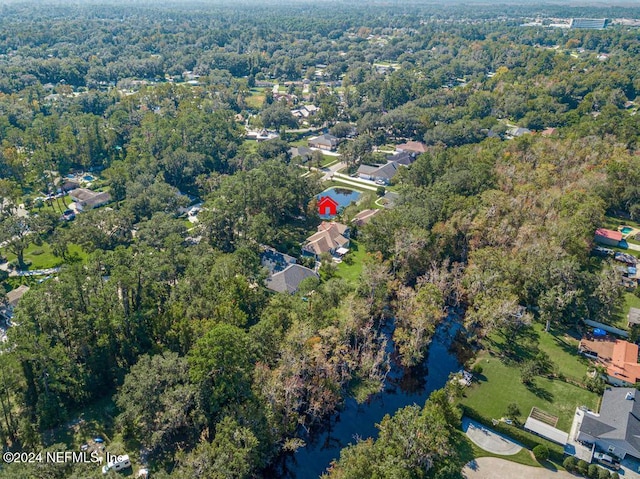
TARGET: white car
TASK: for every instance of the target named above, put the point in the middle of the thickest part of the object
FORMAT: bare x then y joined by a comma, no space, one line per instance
381,182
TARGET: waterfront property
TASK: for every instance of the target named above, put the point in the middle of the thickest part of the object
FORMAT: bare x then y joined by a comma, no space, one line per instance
342,196
331,238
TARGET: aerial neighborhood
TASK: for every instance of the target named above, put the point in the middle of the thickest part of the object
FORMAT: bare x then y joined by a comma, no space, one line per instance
319,239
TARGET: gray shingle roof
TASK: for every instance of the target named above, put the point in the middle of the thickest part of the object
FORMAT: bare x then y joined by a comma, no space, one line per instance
290,278
619,419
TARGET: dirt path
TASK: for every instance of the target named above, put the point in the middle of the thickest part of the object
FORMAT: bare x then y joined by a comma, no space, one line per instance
496,468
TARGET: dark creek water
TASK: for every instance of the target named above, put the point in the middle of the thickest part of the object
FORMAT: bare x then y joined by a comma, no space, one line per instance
358,420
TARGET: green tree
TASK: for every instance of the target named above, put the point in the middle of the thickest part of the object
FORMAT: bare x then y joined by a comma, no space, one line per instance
220,363
158,405
541,452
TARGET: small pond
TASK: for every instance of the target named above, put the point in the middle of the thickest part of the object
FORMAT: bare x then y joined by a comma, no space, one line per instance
343,196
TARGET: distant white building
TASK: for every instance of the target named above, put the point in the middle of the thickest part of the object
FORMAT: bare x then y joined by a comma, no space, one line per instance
588,23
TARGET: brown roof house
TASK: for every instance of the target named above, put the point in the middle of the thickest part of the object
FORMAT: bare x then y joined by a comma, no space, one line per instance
13,298
87,199
332,238
412,147
364,217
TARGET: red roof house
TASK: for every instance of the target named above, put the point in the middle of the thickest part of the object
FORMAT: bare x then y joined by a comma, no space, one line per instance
608,237
327,206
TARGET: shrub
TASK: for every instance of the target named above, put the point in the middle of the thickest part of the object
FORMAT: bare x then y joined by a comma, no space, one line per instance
513,411
541,452
476,369
381,191
615,475
582,466
603,473
569,463
592,471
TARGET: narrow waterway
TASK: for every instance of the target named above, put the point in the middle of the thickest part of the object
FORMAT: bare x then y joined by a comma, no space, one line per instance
359,420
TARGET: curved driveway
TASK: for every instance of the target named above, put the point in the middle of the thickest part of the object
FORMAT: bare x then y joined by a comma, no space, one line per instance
496,468
489,440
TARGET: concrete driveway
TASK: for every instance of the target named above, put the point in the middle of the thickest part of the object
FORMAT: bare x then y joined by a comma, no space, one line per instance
496,468
489,440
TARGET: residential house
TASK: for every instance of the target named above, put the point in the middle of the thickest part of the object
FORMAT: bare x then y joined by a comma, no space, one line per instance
517,131
288,280
608,237
324,142
382,174
274,260
68,185
301,151
13,298
261,135
618,357
404,158
305,111
364,217
332,238
412,147
616,429
85,199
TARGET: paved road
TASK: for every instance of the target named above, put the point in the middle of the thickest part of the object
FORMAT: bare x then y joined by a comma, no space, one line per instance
354,183
496,468
489,440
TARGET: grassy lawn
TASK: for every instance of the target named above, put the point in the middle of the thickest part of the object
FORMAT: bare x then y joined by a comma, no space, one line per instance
630,301
619,318
351,272
55,206
256,99
41,257
327,160
500,385
563,351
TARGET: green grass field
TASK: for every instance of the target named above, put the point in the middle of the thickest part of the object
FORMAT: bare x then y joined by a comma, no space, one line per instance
562,348
351,272
500,385
41,256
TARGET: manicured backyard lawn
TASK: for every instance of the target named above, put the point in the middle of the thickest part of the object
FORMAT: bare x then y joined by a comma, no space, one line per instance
563,351
500,385
351,272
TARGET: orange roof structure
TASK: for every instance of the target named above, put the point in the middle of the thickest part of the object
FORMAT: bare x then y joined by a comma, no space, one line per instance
618,356
624,362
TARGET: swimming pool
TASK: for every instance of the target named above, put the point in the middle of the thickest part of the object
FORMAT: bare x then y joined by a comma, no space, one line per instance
343,196
88,178
626,230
